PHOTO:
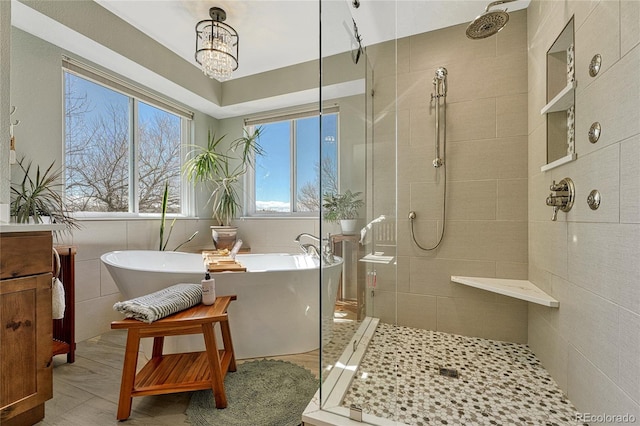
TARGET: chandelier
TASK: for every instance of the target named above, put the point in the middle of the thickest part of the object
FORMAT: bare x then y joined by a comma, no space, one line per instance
216,46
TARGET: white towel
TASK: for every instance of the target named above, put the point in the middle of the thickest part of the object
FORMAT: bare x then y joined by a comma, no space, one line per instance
162,303
57,299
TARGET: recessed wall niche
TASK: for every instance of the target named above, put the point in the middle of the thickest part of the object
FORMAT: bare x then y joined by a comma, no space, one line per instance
560,107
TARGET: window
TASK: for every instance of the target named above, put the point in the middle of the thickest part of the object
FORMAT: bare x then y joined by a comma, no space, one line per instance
119,149
287,177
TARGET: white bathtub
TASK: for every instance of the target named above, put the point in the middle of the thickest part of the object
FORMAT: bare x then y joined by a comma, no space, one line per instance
278,306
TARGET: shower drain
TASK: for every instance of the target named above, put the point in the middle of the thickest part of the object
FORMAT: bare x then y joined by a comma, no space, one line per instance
449,372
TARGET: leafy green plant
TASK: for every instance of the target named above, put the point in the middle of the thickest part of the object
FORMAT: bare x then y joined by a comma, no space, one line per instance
222,170
337,207
39,197
163,242
165,201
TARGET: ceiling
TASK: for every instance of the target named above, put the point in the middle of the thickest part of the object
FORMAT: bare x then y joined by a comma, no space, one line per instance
273,34
278,33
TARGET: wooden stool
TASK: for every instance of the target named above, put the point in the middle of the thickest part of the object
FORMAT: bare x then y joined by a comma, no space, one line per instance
177,372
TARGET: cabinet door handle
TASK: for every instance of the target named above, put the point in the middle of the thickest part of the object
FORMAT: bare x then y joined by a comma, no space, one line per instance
16,325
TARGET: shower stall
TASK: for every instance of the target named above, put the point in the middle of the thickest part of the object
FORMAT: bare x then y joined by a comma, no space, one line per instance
426,349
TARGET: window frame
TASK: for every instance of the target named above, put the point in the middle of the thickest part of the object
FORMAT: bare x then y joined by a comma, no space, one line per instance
135,95
249,205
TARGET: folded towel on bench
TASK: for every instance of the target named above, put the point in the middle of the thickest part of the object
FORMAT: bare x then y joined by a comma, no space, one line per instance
162,303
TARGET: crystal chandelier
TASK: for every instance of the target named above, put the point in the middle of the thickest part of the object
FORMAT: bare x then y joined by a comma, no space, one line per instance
216,46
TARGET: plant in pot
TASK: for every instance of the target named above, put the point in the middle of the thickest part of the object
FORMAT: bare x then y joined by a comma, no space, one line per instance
221,171
342,208
38,200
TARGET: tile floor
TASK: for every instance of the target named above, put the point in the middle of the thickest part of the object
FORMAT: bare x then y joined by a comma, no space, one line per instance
343,330
499,383
86,392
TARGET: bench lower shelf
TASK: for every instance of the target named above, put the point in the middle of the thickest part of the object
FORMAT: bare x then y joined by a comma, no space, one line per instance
177,373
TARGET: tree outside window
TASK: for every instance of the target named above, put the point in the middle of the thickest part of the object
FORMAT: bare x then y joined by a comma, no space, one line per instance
294,164
114,163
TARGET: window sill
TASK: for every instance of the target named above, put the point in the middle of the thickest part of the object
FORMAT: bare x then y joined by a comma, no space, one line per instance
317,217
125,216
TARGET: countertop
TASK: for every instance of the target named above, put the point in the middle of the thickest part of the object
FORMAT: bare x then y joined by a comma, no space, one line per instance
29,227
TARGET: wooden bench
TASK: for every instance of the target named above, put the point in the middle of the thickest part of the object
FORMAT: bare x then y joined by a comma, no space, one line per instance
177,372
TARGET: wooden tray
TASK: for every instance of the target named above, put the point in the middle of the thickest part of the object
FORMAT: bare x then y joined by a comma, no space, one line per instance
217,253
222,267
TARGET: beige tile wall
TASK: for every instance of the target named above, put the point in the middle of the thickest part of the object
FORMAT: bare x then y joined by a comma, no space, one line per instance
486,228
588,260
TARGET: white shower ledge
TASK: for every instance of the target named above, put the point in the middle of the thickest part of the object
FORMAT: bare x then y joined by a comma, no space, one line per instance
520,289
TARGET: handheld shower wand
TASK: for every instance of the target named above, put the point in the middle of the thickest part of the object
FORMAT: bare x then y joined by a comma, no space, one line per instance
440,91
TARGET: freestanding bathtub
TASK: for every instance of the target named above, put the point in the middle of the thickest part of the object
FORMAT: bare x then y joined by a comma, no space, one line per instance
278,306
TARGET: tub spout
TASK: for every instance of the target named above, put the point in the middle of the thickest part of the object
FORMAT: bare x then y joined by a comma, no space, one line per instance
304,234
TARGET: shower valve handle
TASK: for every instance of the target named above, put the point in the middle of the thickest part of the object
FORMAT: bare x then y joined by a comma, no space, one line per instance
562,186
557,200
562,196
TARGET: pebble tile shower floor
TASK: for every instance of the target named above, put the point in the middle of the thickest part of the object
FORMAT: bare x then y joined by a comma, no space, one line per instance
499,383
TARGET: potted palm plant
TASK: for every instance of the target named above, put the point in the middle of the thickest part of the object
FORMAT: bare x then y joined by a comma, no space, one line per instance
342,208
221,171
36,199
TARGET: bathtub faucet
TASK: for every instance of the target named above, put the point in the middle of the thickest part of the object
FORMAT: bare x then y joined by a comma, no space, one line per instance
327,250
309,248
322,249
304,234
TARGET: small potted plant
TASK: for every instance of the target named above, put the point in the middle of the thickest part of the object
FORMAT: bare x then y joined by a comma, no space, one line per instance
342,208
38,200
221,171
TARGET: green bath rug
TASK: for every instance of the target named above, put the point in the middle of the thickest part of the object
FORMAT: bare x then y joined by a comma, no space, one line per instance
259,393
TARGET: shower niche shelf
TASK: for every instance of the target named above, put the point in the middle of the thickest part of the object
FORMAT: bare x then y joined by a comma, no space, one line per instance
562,101
560,110
520,289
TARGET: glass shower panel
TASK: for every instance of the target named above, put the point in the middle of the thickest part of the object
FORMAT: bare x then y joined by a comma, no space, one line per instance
339,322
365,294
376,386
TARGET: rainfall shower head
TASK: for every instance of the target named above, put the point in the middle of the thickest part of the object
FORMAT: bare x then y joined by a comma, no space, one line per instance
489,23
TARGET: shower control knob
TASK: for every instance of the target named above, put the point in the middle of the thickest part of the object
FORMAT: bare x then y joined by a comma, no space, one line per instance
554,200
593,200
562,186
594,132
562,196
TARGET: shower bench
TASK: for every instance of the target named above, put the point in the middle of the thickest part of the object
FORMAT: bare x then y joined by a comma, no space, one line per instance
181,372
519,289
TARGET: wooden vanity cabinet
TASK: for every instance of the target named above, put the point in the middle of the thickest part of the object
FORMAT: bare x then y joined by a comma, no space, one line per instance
25,326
